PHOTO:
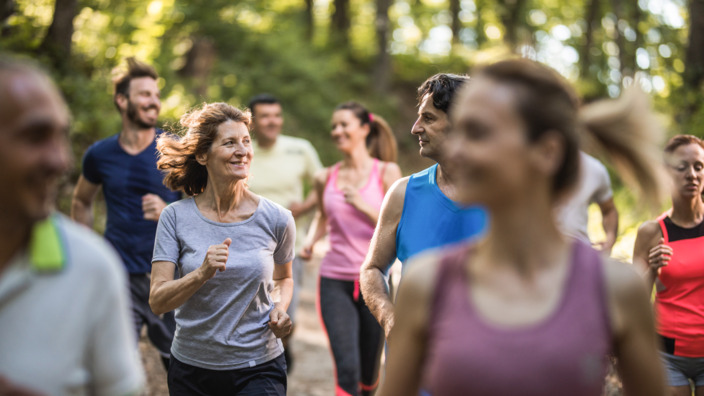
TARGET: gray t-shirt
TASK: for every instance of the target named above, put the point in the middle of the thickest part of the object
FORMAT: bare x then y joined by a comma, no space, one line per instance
223,326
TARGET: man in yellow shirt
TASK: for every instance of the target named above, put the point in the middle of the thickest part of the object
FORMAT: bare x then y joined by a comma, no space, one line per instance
282,165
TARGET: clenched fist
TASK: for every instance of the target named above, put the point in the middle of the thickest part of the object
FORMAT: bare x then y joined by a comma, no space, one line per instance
216,259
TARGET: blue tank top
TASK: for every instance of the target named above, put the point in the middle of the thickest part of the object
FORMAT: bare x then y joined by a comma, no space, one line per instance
430,219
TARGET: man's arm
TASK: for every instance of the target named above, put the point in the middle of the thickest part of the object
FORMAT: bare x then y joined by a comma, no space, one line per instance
381,255
82,201
300,208
609,220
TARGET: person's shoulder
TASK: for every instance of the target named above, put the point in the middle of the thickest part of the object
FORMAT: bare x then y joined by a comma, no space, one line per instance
592,164
624,287
424,174
294,140
86,251
288,142
397,191
321,176
103,145
270,206
650,229
178,206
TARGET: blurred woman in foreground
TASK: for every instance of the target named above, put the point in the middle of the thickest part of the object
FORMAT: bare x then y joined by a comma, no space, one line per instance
669,252
525,311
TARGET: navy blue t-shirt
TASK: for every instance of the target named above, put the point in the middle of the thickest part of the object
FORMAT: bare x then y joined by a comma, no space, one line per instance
125,179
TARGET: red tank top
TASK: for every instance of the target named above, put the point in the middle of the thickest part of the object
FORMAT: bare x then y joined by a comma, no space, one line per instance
565,354
680,305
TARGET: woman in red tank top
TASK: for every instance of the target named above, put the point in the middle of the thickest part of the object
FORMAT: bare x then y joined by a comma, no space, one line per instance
525,311
669,252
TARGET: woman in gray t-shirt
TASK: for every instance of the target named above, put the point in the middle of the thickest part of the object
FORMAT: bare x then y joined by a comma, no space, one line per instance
222,260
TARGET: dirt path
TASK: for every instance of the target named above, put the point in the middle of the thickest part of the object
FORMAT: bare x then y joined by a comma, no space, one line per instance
312,373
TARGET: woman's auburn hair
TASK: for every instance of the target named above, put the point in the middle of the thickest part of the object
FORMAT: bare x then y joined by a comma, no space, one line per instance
178,152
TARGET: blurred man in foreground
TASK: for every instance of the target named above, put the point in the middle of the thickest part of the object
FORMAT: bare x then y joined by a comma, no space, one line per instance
64,318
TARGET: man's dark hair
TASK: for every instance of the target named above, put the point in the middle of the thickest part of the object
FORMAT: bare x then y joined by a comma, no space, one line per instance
262,99
442,87
135,69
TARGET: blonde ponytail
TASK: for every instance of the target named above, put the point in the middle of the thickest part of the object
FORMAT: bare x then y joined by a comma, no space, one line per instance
627,131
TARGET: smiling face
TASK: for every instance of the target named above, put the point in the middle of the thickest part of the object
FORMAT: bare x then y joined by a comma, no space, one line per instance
489,148
34,148
686,166
430,128
267,121
348,131
231,153
143,103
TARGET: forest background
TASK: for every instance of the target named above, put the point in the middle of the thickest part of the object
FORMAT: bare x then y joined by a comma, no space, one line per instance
315,54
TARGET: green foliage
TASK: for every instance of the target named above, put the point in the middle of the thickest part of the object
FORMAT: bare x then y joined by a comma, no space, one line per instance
253,47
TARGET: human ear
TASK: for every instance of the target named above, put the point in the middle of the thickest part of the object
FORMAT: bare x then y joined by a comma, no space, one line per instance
121,100
202,158
548,152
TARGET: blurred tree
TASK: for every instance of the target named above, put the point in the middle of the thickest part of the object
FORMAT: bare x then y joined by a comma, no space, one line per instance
309,20
382,67
340,22
57,42
456,25
694,60
592,18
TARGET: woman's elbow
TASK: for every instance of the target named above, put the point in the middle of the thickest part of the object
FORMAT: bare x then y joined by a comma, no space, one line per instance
156,305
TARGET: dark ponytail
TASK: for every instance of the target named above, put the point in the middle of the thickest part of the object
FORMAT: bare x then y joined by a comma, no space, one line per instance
381,141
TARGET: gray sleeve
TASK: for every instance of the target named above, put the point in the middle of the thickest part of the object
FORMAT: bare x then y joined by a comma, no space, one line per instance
285,245
166,245
603,191
114,359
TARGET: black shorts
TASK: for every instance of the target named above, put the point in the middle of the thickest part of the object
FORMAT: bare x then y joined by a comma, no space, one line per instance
266,379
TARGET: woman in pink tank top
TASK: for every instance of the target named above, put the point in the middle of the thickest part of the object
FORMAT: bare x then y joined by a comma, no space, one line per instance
349,199
524,311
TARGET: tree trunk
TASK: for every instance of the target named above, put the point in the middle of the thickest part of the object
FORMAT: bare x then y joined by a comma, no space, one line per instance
340,22
57,42
510,14
382,67
591,20
636,17
480,27
694,60
456,22
7,8
199,65
309,20
617,8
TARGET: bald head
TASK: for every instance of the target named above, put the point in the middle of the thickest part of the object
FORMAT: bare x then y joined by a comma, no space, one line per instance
34,149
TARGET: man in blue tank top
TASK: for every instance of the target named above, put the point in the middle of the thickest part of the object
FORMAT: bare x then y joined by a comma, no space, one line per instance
418,212
125,166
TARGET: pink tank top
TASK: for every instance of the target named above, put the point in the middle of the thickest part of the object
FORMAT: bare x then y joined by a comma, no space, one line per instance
563,355
349,230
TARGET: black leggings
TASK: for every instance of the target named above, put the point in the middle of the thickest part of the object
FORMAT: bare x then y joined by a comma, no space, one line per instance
356,338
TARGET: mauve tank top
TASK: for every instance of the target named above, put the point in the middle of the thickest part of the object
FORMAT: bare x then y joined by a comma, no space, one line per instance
565,354
349,230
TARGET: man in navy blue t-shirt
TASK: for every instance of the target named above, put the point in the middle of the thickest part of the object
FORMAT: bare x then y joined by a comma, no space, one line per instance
125,166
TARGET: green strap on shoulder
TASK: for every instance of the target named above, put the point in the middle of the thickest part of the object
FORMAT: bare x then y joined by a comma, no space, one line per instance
46,252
